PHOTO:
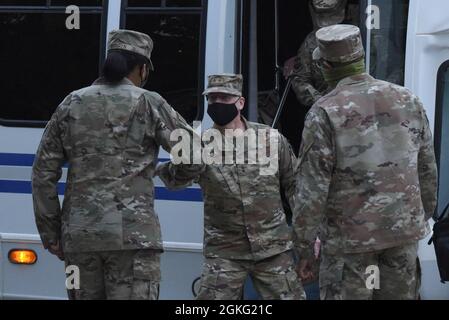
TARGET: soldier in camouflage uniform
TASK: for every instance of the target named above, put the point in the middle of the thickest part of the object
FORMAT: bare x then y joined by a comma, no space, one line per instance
109,134
308,83
245,228
367,169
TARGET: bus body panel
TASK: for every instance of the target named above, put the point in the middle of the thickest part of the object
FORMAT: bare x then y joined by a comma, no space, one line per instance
427,50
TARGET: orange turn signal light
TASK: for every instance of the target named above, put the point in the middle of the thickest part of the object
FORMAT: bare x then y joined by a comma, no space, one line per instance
22,256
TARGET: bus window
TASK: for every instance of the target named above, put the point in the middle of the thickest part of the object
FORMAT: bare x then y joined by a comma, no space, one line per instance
168,3
42,60
388,42
81,3
294,24
183,3
442,135
178,34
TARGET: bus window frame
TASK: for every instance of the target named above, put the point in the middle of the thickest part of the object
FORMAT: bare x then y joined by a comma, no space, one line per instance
164,10
103,11
439,110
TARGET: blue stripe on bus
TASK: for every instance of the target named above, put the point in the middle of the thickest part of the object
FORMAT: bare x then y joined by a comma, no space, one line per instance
24,187
26,160
16,159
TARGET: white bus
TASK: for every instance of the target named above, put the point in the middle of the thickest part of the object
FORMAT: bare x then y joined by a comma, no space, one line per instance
43,59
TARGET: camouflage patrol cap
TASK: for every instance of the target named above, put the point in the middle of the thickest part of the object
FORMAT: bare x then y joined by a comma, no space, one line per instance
328,12
132,41
225,83
340,43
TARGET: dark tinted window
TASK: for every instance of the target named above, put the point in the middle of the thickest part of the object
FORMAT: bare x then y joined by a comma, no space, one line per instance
387,60
23,3
176,57
144,3
442,136
84,3
294,25
166,3
183,3
89,3
44,61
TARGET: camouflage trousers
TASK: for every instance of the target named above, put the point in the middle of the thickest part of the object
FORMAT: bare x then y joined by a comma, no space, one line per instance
392,274
274,278
116,275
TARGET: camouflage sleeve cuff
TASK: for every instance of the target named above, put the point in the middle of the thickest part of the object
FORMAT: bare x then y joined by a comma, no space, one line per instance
164,173
48,242
173,177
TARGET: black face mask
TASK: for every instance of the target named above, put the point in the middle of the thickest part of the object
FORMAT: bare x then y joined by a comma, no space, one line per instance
222,113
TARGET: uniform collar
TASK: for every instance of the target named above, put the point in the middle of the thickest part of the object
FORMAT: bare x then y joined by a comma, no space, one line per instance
102,81
363,77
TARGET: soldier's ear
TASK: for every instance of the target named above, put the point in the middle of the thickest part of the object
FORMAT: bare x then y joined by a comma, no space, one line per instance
145,71
241,103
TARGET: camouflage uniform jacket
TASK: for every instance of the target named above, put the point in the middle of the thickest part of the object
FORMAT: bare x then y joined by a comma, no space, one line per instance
366,168
308,82
110,138
243,214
